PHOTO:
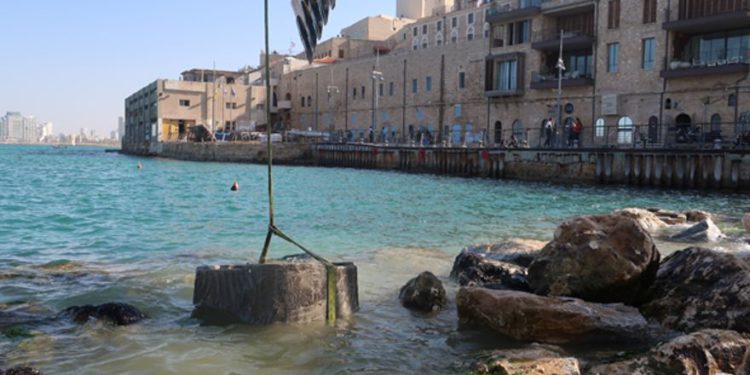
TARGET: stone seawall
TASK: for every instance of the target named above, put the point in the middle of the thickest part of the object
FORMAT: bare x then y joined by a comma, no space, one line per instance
676,169
283,153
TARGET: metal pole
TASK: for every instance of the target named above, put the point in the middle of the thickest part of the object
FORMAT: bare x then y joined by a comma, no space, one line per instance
267,69
559,84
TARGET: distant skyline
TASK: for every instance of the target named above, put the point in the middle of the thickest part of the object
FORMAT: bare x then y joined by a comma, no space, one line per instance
74,62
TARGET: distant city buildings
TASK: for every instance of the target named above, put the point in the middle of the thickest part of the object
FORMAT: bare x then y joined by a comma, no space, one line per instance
19,129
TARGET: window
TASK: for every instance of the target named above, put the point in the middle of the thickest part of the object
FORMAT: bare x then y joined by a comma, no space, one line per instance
507,75
719,48
363,92
309,101
415,44
613,15
391,89
716,123
184,103
381,88
461,80
649,11
648,53
354,94
599,127
613,53
519,32
414,86
439,26
231,105
302,102
439,39
470,33
425,42
454,22
518,131
424,29
416,31
454,35
428,84
341,53
625,131
470,18
487,30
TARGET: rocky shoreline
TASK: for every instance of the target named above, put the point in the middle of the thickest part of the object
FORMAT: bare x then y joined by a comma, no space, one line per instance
601,281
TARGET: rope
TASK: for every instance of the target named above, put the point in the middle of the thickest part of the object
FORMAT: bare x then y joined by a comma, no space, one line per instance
331,271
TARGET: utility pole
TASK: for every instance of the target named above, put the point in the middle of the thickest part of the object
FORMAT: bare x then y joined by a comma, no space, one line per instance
560,69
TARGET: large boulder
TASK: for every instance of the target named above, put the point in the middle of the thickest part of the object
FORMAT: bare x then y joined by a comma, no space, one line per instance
424,293
706,352
501,265
553,320
534,360
647,219
699,288
704,231
694,216
669,217
596,258
119,314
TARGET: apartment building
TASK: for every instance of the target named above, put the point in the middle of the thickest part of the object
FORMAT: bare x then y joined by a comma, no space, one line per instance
635,71
178,110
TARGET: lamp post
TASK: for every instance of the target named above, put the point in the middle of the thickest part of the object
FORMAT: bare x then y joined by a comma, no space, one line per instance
377,76
560,69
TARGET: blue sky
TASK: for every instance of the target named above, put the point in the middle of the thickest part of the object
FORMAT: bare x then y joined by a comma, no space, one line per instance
73,62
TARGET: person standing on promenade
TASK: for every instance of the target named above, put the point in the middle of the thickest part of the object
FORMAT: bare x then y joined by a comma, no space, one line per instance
575,132
548,127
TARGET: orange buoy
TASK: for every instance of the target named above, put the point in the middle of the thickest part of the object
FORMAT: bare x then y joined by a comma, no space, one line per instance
235,186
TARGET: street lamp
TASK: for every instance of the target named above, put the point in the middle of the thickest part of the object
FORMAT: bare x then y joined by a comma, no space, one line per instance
377,76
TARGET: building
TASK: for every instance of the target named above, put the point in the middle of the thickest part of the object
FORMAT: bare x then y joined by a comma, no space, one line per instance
176,110
654,72
16,128
120,128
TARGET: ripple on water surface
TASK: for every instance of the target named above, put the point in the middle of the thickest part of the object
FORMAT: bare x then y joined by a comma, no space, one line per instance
81,226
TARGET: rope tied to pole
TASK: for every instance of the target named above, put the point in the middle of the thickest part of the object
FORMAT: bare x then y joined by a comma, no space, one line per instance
331,270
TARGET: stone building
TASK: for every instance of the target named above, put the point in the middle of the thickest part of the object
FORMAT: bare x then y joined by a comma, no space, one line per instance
656,72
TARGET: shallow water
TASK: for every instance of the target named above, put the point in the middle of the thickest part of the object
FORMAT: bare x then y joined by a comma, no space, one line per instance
80,226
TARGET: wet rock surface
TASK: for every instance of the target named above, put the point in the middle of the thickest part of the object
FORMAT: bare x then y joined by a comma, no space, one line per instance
704,231
21,371
669,217
534,360
119,314
694,216
703,352
698,288
423,293
528,317
497,266
647,219
609,258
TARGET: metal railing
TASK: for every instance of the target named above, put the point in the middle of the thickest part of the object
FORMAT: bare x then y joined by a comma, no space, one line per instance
504,6
691,9
548,34
709,59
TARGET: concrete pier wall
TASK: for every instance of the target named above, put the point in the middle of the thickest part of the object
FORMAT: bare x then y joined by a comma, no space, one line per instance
283,153
677,169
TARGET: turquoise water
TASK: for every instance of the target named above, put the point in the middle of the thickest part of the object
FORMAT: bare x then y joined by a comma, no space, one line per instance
83,226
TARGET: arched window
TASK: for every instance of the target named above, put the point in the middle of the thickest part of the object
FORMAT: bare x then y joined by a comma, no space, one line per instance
470,33
625,130
716,123
415,44
439,39
498,133
653,129
425,41
599,127
486,29
518,131
454,35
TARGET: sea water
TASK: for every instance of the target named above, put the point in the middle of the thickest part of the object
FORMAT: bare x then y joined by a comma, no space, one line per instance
82,226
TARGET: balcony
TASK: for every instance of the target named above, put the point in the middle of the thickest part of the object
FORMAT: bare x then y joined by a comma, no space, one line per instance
559,8
570,79
682,69
503,93
503,11
705,16
549,40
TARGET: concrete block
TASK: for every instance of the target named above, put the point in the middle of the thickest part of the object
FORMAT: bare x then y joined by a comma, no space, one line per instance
275,292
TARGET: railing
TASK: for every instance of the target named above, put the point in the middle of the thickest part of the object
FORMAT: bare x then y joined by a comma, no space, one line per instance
710,59
501,7
548,34
575,74
691,9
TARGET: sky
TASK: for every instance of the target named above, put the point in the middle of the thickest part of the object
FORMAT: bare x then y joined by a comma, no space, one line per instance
73,62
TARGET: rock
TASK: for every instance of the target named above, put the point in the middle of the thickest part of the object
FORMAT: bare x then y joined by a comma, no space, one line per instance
596,258
553,320
746,222
704,231
669,217
694,216
424,293
119,314
537,359
647,219
703,352
699,288
500,266
21,371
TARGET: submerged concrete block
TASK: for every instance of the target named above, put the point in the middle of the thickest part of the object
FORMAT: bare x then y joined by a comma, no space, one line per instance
283,292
